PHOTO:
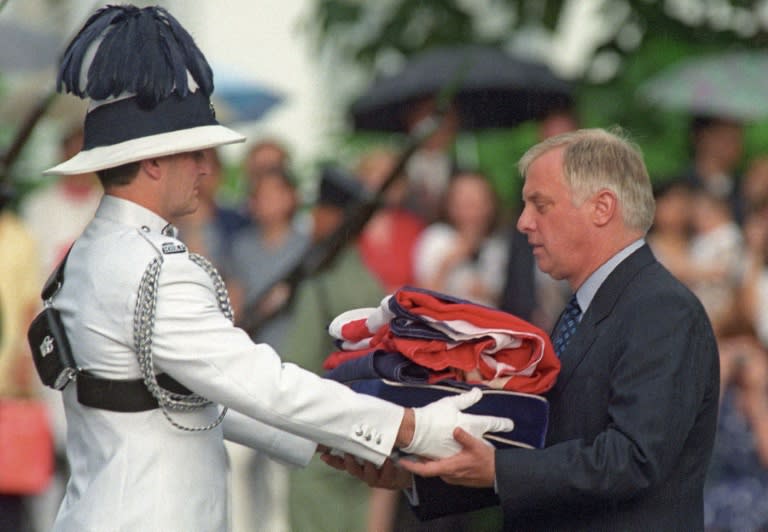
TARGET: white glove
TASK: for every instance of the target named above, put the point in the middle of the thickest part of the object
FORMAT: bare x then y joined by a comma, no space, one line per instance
434,425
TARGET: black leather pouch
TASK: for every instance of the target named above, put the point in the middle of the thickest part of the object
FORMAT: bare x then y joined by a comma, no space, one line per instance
50,349
49,344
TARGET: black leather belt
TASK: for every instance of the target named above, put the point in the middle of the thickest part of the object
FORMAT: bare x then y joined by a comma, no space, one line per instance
122,395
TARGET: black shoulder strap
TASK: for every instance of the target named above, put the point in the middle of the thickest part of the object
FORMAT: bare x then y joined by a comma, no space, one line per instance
93,391
56,279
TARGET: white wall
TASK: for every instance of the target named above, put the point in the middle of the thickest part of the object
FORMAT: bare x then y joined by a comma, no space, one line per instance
261,40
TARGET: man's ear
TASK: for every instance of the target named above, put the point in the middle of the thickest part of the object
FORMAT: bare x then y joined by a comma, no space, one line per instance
151,167
605,206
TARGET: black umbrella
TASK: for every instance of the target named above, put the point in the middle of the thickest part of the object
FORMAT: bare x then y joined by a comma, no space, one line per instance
490,88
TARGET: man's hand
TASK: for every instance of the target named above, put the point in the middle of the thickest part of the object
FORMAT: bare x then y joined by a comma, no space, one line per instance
388,476
474,466
435,424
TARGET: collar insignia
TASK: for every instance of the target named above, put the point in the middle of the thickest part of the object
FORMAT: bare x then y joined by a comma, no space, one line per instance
173,247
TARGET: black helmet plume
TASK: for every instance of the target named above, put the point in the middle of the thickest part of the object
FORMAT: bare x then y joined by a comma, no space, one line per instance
143,51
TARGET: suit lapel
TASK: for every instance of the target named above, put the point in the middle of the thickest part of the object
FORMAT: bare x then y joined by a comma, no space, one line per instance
601,306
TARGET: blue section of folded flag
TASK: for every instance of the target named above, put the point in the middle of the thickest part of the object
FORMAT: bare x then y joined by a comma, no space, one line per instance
529,412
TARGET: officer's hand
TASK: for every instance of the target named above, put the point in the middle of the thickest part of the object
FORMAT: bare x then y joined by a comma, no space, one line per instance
435,423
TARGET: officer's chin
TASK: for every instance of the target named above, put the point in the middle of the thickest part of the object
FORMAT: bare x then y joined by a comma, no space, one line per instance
188,209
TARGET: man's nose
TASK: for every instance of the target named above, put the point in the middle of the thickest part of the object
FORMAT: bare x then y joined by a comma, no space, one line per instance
523,221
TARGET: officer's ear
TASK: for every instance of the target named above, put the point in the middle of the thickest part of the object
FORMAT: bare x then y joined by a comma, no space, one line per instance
152,168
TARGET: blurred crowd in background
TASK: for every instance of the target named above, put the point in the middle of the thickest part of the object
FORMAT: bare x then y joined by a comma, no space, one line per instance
443,224
437,226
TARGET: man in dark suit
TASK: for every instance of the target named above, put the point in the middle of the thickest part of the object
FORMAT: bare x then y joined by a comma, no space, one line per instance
634,410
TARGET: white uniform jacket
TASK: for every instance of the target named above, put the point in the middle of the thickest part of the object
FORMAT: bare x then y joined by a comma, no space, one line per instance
135,471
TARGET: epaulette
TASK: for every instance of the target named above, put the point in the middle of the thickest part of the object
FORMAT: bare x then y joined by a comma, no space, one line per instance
163,245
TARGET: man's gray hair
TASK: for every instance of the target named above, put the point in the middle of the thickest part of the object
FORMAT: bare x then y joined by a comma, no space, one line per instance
596,159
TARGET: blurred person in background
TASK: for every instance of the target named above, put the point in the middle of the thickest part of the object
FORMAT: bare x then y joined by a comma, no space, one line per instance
736,492
717,147
56,214
430,167
387,242
717,255
696,238
264,250
387,245
266,154
462,254
319,498
557,120
19,301
670,234
754,185
522,294
528,292
210,229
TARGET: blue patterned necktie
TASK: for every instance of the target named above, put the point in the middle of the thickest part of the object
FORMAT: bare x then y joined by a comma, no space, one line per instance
566,327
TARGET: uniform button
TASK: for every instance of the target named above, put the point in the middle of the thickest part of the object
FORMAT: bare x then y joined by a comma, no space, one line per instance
378,440
359,431
368,437
145,228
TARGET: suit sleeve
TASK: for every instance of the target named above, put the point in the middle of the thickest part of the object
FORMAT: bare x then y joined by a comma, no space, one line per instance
437,499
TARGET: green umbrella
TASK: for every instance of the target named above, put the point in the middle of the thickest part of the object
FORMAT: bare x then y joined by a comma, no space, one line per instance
731,84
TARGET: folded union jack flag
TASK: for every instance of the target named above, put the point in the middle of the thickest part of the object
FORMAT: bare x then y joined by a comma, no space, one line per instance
453,339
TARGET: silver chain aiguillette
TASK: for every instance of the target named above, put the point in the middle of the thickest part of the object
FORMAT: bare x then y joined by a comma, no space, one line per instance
144,325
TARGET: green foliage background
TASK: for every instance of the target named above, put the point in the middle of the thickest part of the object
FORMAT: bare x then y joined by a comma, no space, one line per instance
662,37
640,36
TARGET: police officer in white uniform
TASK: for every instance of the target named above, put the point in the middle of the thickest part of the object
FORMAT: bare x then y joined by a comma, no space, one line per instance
158,359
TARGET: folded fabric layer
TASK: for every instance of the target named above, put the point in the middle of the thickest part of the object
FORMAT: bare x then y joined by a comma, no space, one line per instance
529,412
409,328
359,325
380,365
455,338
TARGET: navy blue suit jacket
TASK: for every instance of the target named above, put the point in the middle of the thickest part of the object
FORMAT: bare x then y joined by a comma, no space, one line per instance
633,418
